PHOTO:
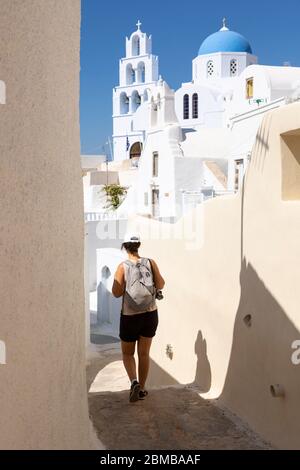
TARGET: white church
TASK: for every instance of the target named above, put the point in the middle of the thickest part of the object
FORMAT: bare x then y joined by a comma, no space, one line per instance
174,149
195,142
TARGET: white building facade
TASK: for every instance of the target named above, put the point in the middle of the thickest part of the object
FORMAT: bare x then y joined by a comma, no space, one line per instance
198,139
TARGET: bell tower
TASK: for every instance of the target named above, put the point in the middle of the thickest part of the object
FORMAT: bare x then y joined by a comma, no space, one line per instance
138,75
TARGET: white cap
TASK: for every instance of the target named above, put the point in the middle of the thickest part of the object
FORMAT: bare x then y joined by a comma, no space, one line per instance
131,237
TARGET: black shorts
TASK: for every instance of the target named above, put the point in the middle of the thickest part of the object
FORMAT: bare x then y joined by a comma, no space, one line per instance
140,324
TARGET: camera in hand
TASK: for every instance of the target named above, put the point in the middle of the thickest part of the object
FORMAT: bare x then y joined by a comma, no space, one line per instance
159,295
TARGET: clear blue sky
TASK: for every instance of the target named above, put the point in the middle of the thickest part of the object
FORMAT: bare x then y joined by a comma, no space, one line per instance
178,28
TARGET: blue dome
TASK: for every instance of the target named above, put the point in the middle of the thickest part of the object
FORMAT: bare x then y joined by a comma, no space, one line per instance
225,41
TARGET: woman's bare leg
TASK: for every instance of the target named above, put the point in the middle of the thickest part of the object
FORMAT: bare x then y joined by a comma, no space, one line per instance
144,359
128,359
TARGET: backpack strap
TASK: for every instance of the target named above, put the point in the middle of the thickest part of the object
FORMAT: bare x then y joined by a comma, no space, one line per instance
153,274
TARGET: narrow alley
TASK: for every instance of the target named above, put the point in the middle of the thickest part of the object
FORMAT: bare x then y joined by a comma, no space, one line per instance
169,418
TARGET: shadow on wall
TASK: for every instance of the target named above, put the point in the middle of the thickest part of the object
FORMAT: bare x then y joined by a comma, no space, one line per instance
261,356
202,380
203,370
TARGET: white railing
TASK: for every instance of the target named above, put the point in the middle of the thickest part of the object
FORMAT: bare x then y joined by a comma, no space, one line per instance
190,199
225,192
97,216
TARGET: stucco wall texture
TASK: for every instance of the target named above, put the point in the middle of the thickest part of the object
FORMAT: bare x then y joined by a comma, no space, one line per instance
248,265
43,402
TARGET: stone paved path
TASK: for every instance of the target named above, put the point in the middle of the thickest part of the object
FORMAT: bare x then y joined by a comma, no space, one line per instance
170,418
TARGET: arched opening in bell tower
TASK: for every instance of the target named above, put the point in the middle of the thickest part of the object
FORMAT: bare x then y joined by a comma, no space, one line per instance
124,103
141,72
135,101
136,45
130,75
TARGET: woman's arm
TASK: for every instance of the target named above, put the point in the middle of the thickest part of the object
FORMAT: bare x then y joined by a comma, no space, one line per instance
119,282
158,279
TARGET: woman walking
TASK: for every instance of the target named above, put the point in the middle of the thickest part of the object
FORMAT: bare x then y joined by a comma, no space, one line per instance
138,281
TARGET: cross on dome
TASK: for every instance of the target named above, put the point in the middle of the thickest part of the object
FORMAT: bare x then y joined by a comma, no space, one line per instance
139,24
224,28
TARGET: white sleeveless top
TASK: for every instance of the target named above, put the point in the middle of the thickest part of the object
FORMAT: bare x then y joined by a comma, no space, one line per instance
126,309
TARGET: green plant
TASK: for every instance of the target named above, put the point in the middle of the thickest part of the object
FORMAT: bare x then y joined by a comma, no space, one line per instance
115,193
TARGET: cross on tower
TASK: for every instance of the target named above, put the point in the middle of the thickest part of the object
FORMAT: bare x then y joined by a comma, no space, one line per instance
139,24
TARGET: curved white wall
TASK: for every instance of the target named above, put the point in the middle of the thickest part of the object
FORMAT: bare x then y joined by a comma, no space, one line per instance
43,400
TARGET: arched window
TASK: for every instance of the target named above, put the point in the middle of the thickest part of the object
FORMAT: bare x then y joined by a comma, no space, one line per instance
153,112
133,76
136,150
195,105
141,72
135,101
186,108
158,101
136,49
135,153
146,96
210,68
233,67
124,103
130,75
105,273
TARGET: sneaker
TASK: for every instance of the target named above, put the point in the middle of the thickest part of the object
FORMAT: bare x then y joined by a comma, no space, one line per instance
142,394
134,391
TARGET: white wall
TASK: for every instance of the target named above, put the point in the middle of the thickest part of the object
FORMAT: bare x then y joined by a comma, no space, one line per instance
210,106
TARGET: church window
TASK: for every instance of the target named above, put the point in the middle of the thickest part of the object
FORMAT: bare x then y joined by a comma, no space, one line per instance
186,109
233,67
195,106
210,68
249,88
136,46
155,164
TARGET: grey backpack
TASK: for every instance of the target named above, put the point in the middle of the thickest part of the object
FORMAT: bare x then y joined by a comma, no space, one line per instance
140,289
